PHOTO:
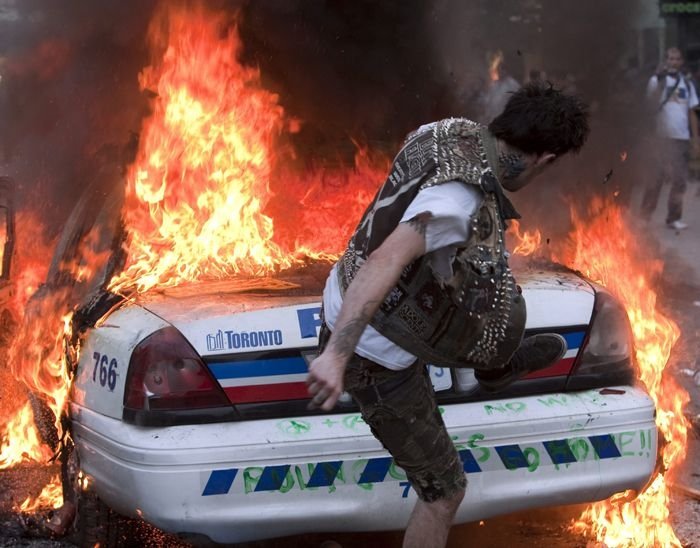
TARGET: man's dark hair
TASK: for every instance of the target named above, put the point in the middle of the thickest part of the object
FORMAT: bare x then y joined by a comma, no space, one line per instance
539,118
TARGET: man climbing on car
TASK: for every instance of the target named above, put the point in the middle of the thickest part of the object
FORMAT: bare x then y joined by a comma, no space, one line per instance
425,279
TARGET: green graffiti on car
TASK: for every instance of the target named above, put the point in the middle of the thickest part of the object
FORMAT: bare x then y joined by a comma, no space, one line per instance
295,427
513,407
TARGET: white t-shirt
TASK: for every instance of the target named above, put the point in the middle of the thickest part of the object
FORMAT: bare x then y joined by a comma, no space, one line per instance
452,206
673,118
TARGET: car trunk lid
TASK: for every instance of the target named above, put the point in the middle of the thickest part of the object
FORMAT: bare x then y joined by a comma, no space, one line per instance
258,343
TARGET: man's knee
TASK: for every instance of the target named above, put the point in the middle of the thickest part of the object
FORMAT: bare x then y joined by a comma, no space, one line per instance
447,505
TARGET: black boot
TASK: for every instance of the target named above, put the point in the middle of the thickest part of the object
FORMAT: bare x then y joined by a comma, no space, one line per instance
534,353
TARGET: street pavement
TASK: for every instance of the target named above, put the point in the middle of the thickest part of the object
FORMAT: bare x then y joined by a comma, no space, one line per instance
680,250
679,285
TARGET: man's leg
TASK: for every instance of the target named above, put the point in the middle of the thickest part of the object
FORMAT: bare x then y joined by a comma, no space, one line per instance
679,180
431,521
401,410
650,199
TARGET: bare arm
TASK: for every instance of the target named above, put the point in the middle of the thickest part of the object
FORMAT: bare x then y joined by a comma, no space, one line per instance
654,90
368,289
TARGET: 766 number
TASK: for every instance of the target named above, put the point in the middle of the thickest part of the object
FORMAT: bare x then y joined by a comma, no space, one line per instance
107,368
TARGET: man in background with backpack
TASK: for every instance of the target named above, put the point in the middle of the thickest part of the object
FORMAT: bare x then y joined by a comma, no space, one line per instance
673,98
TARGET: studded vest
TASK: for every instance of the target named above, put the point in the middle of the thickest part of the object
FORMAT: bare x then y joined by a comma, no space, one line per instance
476,318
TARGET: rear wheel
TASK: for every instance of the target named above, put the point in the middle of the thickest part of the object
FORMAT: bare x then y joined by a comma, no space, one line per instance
99,525
96,524
44,420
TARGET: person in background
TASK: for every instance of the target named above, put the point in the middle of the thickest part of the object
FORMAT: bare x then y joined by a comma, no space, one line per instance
673,98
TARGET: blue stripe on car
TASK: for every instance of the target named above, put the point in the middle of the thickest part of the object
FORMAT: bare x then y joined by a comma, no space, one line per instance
324,474
512,457
375,470
272,478
259,368
220,482
469,463
604,446
559,451
289,365
574,340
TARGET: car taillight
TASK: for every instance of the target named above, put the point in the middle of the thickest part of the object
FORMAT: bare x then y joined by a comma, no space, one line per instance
166,374
607,356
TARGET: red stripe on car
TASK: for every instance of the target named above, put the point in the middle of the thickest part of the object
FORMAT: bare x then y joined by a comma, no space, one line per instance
267,392
562,367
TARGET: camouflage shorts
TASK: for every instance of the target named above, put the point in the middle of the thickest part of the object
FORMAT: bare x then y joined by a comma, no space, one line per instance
407,422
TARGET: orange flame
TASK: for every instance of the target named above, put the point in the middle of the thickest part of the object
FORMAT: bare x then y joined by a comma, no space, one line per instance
30,264
527,242
39,361
198,191
20,441
495,62
603,248
51,496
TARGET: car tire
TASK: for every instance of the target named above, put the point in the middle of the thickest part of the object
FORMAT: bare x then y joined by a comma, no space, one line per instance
44,420
98,525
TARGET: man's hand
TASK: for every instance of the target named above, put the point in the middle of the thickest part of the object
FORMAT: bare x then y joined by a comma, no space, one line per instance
325,380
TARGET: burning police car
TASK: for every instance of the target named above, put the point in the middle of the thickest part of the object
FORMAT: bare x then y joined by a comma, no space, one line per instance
189,409
188,405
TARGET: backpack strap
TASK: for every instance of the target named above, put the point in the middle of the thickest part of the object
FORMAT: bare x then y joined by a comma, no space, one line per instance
673,90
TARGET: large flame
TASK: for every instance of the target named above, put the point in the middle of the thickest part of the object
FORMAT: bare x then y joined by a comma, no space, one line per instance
19,438
603,248
207,167
197,193
35,356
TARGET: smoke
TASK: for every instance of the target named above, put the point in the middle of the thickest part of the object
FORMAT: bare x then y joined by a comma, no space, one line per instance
373,71
581,47
354,70
68,93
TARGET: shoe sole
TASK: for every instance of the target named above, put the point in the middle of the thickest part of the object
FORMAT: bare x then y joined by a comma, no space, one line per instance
497,386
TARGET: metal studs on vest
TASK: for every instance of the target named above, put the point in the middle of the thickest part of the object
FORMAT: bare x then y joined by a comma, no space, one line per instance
474,319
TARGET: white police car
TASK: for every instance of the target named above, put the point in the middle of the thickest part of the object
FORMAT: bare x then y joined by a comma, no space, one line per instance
189,410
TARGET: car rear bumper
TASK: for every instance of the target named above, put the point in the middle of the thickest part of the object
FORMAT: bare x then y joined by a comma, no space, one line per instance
235,482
